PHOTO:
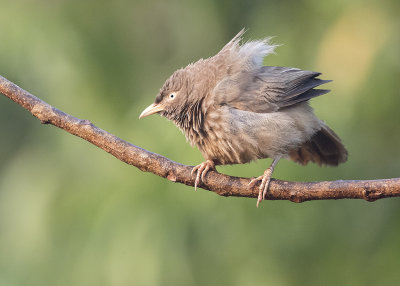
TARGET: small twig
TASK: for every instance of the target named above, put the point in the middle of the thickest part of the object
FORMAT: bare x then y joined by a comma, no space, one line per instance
221,184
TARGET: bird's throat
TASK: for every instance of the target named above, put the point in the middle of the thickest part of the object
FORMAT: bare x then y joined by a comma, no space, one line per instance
190,119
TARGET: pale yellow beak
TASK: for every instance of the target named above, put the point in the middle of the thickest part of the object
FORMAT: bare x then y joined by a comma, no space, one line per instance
153,108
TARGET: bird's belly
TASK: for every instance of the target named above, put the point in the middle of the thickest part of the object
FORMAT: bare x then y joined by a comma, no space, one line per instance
224,151
234,136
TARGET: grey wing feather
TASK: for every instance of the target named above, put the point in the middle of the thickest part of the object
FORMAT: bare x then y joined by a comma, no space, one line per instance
269,89
288,86
303,97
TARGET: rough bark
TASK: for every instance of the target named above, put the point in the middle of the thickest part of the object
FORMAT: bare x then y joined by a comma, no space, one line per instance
221,184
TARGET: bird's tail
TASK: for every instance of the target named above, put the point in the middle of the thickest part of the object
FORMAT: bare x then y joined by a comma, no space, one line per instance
324,148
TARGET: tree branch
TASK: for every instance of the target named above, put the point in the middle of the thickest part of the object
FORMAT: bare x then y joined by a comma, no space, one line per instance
221,184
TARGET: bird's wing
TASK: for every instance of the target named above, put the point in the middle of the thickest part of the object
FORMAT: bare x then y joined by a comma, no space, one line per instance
268,89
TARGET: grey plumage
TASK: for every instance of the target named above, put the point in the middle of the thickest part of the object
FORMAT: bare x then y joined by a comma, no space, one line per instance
236,110
323,148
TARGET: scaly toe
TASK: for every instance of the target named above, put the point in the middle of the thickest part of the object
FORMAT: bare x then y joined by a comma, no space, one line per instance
266,188
195,168
254,181
263,189
259,199
197,182
201,170
206,169
266,180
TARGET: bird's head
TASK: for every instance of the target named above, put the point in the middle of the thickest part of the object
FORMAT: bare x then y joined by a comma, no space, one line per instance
173,97
187,87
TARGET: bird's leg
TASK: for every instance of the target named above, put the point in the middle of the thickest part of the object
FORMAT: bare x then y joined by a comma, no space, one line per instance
202,170
265,179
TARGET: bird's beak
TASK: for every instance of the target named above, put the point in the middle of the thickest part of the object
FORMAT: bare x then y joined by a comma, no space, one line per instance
153,108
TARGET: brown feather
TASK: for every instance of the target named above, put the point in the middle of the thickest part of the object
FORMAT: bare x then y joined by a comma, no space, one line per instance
324,148
235,110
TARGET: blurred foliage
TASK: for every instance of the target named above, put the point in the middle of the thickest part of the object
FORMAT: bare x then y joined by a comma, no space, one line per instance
70,214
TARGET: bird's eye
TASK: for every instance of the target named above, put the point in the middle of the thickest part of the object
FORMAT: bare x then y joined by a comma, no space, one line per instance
172,96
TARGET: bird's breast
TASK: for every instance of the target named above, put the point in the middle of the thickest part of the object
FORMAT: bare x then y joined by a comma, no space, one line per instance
221,140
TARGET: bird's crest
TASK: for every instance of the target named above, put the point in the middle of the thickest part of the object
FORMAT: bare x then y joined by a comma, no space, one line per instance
235,42
250,54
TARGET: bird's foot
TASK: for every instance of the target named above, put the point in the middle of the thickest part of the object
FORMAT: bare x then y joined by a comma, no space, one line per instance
265,180
202,170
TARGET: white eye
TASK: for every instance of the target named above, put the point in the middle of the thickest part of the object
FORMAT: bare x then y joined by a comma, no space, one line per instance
172,96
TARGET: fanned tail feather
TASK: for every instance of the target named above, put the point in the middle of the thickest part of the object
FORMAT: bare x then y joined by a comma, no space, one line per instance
324,148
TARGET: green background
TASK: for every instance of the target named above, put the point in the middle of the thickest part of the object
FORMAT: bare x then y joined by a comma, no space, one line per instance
71,214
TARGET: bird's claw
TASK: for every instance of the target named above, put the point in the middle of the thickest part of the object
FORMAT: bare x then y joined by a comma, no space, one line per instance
202,170
263,188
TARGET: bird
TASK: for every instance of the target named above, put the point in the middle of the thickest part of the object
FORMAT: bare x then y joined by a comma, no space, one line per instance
236,110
